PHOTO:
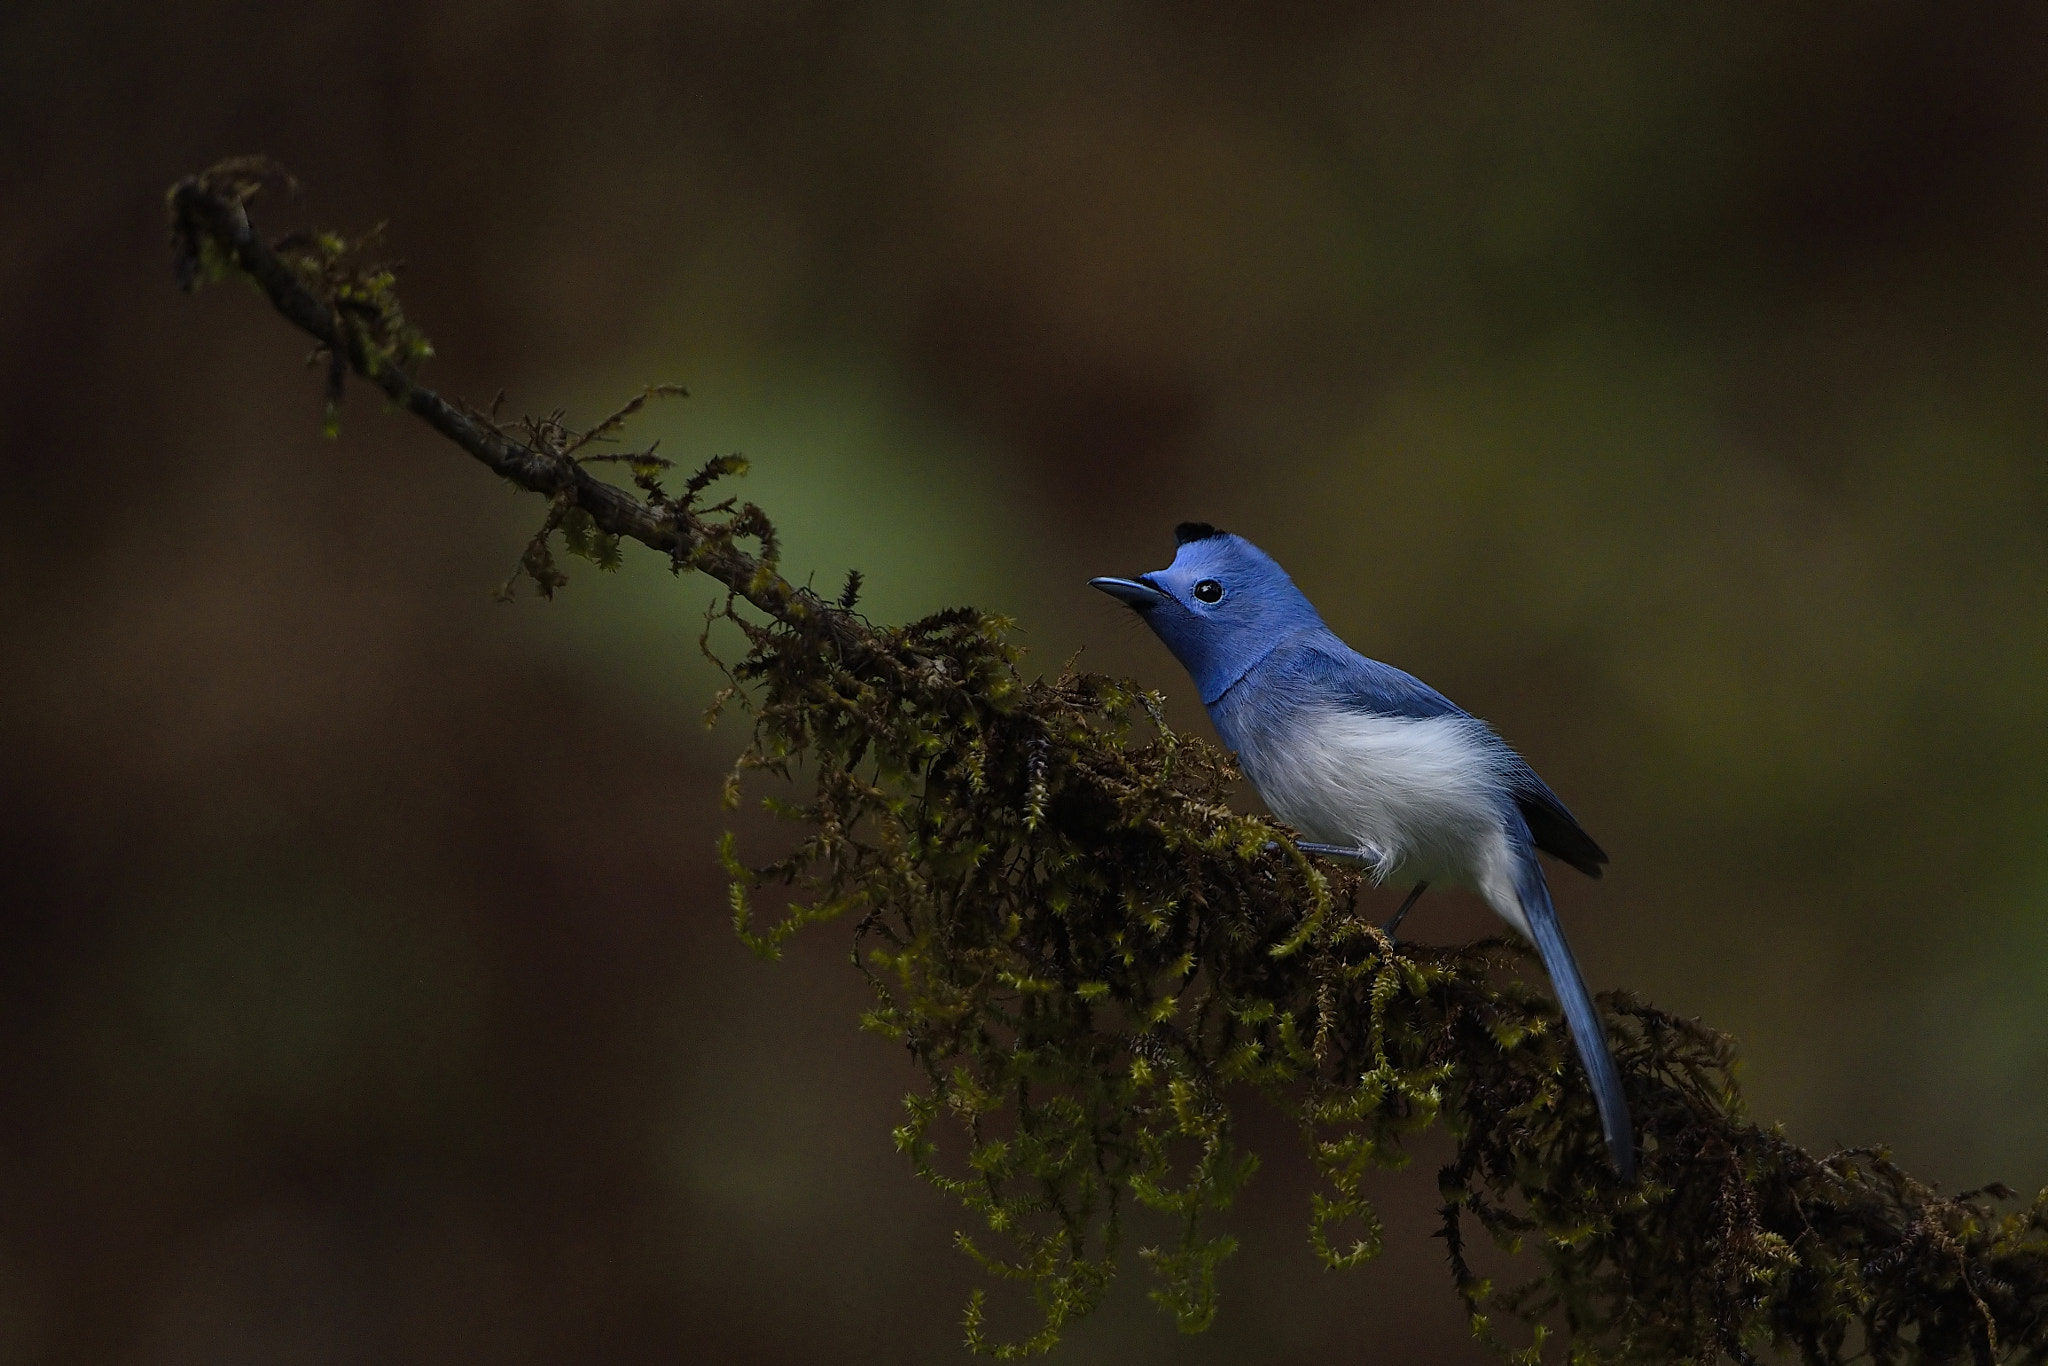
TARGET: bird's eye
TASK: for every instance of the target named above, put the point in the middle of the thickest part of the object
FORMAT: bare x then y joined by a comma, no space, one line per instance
1208,590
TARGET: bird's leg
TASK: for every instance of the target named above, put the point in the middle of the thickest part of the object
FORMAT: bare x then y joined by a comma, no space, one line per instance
1363,854
1413,897
1376,860
1377,864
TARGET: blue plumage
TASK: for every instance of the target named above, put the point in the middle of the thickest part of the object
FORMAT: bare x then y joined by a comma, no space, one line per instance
1372,764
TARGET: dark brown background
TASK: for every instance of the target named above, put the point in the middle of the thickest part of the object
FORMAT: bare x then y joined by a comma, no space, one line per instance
1669,390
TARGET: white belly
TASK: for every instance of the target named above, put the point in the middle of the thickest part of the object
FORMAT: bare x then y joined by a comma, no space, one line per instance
1426,792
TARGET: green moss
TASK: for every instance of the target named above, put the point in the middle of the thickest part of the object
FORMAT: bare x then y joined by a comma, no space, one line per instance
1093,960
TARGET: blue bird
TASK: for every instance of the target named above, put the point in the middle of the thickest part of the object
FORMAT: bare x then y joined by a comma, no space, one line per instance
1374,765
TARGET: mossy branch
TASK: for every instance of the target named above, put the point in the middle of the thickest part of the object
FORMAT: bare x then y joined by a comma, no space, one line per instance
351,310
1091,957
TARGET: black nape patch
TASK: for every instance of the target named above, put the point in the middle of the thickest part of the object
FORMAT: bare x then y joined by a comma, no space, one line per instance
1195,531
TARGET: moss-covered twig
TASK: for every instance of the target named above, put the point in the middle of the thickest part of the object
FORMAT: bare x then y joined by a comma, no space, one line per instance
1093,958
351,311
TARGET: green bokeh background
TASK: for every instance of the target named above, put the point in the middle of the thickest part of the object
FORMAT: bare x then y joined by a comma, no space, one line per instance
1667,387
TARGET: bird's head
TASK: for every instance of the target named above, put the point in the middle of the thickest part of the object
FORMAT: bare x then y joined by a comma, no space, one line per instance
1221,606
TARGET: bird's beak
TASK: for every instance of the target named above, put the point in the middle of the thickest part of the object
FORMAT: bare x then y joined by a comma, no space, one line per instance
1130,592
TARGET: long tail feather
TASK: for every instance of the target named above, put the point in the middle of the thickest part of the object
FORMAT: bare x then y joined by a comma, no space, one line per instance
1580,1013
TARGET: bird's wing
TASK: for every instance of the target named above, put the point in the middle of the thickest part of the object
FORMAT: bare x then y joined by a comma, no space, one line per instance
1556,831
1369,685
1387,691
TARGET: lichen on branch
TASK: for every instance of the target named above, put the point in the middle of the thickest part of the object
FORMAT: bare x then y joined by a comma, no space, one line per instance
1095,962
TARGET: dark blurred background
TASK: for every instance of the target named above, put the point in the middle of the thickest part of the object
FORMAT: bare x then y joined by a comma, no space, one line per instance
1667,387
